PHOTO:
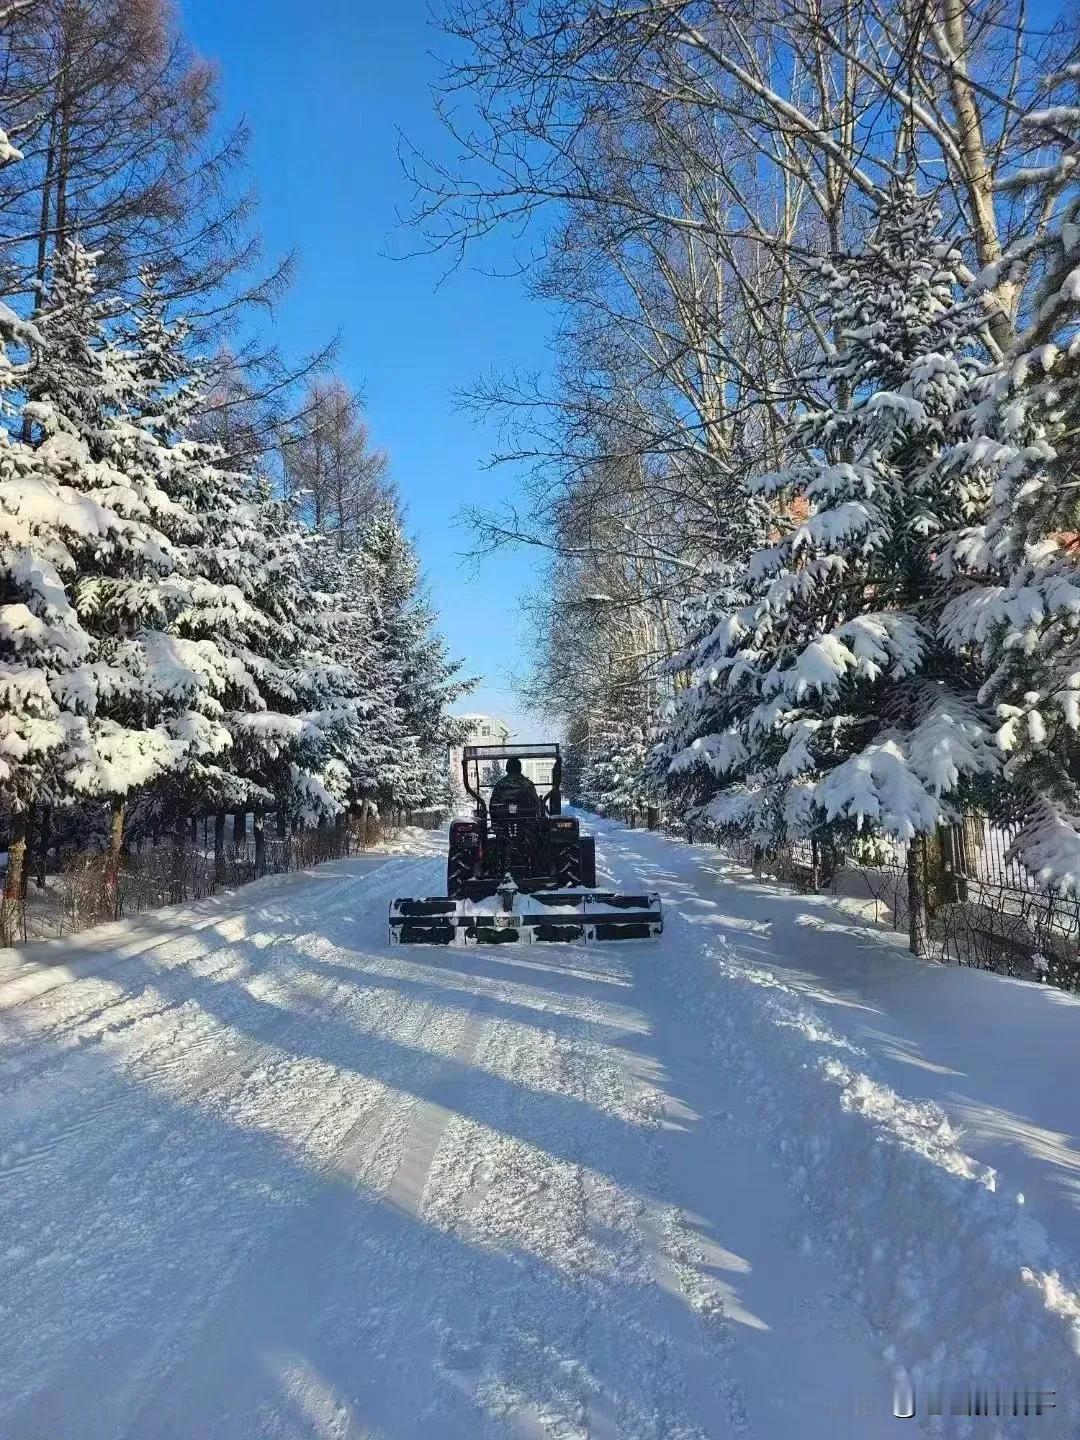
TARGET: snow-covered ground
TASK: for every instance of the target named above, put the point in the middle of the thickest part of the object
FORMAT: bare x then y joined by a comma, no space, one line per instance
263,1176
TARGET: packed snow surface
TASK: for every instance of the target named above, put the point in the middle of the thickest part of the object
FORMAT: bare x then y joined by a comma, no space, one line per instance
264,1176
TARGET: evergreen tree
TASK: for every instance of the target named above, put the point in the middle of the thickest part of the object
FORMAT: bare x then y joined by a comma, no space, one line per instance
698,744
379,755
830,701
149,710
213,684
296,707
613,780
414,661
49,684
1019,567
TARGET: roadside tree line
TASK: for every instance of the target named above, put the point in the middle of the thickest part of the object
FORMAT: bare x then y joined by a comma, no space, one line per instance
805,467
209,602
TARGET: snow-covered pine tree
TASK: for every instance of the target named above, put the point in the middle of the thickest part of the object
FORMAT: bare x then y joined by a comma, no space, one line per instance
380,755
824,702
211,684
606,749
43,648
413,657
157,698
49,532
692,756
294,709
1019,609
613,780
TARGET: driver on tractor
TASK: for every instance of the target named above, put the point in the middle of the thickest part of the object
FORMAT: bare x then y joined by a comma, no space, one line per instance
514,786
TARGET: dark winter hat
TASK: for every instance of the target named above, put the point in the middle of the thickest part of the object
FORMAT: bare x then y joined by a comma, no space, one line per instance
513,766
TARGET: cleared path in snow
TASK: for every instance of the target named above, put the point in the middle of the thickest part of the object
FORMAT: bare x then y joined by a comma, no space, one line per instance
263,1176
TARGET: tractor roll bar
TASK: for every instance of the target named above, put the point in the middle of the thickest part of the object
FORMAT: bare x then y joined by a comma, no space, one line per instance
476,753
504,752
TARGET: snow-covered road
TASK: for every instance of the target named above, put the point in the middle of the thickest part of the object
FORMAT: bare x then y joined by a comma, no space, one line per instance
262,1176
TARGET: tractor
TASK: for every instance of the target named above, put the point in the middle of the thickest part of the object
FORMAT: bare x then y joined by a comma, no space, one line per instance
519,870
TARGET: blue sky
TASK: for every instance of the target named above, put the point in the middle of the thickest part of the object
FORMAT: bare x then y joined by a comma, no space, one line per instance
325,98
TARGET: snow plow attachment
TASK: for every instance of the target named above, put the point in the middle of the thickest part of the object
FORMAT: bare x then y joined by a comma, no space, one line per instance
513,917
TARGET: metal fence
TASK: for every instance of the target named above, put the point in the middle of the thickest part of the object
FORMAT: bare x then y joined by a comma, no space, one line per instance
73,894
983,908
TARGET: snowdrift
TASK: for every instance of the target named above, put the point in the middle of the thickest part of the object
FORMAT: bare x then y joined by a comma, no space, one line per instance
927,1248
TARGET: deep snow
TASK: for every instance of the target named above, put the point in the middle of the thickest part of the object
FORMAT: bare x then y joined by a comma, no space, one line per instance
263,1176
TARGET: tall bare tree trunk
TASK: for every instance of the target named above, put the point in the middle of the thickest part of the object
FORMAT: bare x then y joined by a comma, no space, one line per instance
44,840
954,44
918,920
239,830
45,215
112,858
11,908
219,848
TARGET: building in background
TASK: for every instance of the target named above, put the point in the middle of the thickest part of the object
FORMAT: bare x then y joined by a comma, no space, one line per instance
539,772
483,730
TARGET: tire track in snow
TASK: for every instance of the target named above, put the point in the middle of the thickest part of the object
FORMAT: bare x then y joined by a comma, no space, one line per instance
435,1195
136,1146
37,1032
382,1152
364,1156
592,1340
53,1052
800,1352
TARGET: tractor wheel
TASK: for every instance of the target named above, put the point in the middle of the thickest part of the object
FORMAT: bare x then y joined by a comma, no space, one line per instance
458,870
568,867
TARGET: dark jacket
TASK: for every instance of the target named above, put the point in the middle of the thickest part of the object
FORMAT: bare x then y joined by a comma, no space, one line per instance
514,788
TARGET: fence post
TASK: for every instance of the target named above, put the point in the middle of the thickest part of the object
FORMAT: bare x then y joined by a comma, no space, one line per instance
260,843
953,885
